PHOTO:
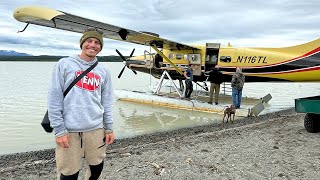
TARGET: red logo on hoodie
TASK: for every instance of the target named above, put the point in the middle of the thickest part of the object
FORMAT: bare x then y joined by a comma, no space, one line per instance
89,82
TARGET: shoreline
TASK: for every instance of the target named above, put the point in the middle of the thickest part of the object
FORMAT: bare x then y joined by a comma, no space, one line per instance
155,136
173,154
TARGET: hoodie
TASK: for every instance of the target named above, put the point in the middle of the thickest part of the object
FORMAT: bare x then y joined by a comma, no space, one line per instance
88,105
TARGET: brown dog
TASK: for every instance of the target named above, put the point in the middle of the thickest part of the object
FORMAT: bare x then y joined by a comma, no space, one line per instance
228,111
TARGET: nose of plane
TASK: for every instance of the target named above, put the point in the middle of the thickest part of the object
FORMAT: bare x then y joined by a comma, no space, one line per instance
125,60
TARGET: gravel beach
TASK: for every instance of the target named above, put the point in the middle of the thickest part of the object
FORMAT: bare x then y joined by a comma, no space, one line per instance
271,146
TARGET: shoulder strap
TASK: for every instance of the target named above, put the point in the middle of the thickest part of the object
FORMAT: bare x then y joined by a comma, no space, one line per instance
79,77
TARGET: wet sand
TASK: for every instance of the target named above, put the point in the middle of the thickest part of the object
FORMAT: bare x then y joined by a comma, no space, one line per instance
271,146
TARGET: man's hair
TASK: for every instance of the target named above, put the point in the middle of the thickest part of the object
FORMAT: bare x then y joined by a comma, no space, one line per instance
238,70
91,33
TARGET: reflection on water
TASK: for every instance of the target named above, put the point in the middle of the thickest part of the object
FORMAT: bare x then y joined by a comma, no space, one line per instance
283,94
157,119
23,98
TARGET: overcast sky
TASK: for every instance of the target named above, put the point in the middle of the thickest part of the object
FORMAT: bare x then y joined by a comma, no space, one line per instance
254,23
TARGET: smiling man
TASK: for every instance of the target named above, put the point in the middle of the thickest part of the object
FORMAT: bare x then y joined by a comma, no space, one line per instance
82,120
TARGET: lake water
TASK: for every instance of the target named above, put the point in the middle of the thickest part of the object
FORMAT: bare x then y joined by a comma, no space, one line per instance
23,101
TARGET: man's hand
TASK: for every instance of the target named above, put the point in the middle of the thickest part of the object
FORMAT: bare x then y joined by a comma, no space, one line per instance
63,141
109,137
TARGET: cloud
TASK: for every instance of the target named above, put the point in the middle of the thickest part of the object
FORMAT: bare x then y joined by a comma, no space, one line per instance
243,23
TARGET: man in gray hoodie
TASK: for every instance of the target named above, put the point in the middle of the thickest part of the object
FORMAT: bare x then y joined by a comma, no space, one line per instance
82,120
237,83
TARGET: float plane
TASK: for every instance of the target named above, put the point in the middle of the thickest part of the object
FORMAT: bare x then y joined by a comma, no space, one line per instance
300,63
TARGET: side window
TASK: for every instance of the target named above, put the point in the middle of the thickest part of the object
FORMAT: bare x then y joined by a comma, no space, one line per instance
185,57
171,56
194,57
207,58
226,59
178,56
214,59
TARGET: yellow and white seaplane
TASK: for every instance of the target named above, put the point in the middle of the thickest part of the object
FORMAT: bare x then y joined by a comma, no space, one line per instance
300,63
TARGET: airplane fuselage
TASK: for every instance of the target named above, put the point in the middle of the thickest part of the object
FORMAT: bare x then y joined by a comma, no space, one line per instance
300,63
297,63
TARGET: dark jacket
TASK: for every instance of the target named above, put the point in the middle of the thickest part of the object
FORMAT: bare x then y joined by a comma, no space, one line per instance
215,76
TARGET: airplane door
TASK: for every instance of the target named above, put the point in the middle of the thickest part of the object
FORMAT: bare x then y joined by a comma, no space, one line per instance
212,53
195,59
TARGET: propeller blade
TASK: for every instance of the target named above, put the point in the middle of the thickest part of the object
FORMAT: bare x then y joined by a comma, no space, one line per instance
124,59
120,74
132,52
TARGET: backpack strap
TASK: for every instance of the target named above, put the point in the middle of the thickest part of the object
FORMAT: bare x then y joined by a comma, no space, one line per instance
79,77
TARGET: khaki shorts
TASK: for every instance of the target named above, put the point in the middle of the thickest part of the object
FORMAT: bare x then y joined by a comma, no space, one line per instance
88,145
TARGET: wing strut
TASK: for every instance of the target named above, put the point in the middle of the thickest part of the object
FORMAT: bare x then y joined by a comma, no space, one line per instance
167,59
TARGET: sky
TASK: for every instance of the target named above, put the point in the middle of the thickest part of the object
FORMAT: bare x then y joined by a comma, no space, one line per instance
250,23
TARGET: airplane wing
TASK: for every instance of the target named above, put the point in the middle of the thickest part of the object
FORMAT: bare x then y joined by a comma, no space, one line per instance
65,21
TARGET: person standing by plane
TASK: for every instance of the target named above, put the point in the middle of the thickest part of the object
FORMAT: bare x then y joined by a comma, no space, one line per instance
215,78
237,83
82,120
188,74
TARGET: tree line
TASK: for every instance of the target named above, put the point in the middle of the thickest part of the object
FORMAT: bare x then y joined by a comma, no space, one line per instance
55,58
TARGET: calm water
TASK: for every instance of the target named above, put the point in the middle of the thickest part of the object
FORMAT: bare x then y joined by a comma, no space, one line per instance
23,99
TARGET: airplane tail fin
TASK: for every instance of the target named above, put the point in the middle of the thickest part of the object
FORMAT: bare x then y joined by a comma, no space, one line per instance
312,46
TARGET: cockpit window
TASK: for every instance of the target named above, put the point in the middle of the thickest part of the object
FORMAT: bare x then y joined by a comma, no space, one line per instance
214,59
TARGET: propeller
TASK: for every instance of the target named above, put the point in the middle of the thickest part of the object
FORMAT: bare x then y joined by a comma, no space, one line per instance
125,65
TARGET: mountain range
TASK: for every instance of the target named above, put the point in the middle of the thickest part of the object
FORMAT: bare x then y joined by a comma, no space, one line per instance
12,53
